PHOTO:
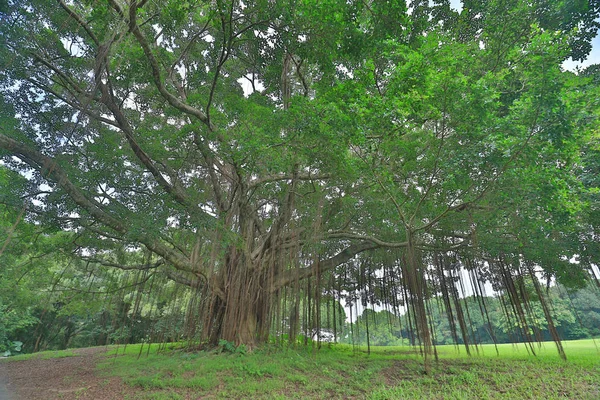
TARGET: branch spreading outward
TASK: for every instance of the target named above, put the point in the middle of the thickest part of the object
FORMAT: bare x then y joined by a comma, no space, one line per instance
156,74
125,267
49,168
323,265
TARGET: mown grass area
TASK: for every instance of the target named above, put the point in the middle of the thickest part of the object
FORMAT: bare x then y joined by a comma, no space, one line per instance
44,355
343,372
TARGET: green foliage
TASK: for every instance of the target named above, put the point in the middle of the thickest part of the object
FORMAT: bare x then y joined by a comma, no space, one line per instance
12,322
13,348
229,347
383,328
48,300
137,156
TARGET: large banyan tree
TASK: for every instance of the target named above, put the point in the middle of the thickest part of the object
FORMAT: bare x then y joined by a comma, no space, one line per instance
270,153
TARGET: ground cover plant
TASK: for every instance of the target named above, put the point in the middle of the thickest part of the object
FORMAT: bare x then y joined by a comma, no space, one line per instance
342,371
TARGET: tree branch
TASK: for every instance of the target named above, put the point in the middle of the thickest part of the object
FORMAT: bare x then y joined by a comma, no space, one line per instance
81,22
122,266
48,167
324,265
156,75
286,177
372,239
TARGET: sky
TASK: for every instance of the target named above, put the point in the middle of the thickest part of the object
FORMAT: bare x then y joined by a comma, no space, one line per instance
593,57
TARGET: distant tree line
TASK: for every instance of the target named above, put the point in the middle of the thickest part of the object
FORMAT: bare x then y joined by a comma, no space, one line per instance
576,314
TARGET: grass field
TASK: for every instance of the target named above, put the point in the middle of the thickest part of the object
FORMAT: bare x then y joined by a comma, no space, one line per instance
342,372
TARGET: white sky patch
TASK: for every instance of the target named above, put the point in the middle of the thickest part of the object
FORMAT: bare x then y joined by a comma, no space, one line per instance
173,222
106,191
130,101
593,58
208,209
247,86
456,5
596,271
466,289
357,309
270,34
158,31
181,70
342,69
73,47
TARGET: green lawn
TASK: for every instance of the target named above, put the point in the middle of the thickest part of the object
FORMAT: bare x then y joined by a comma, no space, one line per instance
44,355
340,372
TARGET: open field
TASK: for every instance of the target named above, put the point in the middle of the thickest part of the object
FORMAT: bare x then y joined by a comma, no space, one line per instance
340,372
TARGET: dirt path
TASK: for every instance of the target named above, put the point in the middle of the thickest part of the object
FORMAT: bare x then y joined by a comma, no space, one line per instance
60,378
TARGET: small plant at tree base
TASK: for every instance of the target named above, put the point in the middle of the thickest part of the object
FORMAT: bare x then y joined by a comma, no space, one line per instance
230,347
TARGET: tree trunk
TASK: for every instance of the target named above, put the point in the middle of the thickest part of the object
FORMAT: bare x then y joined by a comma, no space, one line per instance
239,311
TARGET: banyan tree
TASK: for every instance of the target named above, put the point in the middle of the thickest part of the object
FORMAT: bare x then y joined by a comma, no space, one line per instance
275,156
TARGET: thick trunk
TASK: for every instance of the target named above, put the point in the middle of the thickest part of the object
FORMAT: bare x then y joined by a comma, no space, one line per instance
238,320
239,312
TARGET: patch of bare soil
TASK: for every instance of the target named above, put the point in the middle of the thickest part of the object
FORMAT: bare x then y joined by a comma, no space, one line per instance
60,378
401,371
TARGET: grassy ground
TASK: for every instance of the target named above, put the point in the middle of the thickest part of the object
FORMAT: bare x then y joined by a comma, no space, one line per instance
44,355
341,372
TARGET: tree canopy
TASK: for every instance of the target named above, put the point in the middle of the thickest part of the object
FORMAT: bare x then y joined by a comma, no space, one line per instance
267,153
